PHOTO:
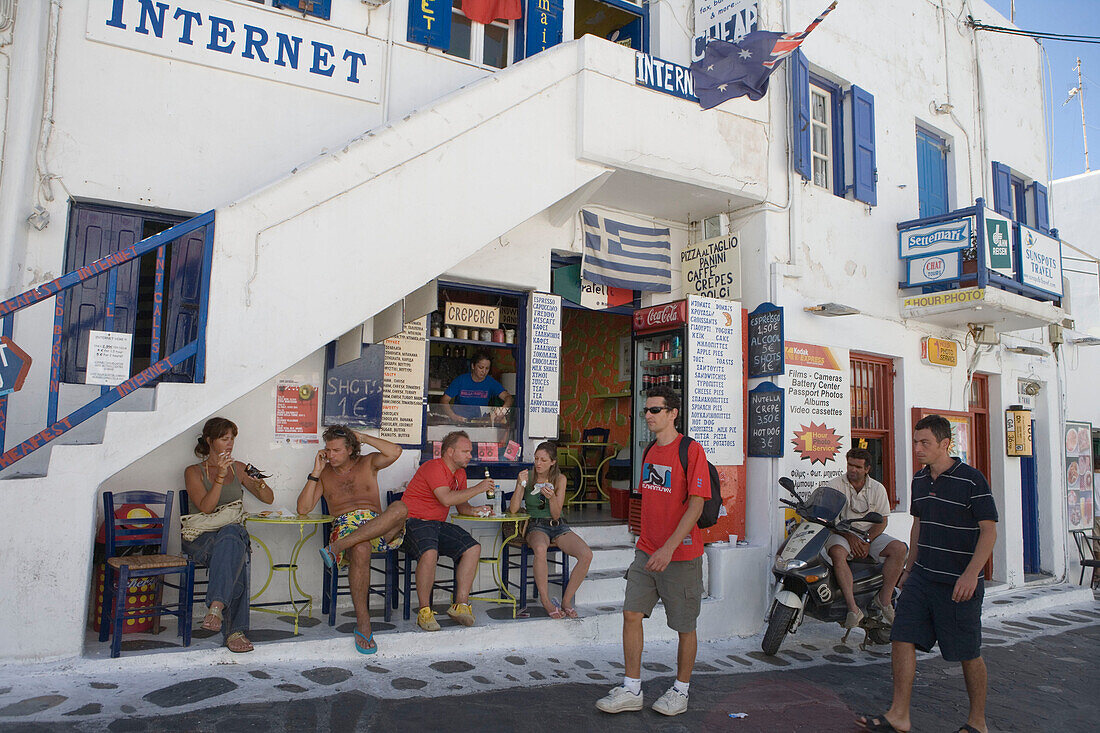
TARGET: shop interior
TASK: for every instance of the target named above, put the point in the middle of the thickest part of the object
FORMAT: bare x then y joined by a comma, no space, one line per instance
616,20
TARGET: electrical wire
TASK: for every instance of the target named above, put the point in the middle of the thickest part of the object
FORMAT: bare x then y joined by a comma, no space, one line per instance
1044,35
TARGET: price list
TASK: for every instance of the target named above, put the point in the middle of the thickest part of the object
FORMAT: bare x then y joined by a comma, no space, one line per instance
403,384
716,409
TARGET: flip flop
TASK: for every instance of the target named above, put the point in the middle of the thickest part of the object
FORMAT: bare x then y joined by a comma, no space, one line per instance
968,728
878,723
570,612
209,625
328,556
235,636
366,640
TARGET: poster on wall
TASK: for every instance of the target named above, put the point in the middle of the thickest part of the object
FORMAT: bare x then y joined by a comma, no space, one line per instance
544,374
109,355
403,384
296,412
726,20
1078,465
817,421
716,409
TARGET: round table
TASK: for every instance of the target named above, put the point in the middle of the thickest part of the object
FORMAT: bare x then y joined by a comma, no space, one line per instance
290,568
500,541
573,453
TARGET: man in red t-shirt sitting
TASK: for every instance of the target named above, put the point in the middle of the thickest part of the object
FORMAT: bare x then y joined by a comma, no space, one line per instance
668,560
438,485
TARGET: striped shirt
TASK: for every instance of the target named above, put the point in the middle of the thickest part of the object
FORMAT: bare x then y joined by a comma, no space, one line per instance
949,510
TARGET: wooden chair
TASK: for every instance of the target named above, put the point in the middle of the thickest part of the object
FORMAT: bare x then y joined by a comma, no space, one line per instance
332,588
200,583
555,557
119,569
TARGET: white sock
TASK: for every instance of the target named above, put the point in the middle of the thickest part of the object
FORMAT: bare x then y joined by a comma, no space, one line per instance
633,685
681,687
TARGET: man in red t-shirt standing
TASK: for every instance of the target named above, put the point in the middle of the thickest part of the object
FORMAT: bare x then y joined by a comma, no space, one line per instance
438,485
668,560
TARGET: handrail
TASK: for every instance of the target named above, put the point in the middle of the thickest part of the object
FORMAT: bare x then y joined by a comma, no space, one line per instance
109,265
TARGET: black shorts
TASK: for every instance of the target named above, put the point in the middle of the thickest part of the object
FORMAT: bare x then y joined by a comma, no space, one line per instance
926,614
448,539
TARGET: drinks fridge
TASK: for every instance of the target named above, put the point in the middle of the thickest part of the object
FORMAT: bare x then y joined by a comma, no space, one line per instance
660,358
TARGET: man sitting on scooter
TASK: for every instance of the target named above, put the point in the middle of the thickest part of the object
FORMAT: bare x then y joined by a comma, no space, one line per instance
865,495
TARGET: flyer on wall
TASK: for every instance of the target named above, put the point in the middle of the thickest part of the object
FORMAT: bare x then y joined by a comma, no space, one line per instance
1078,468
818,422
296,406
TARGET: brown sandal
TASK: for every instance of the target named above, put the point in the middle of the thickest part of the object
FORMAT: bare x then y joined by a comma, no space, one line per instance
215,624
243,644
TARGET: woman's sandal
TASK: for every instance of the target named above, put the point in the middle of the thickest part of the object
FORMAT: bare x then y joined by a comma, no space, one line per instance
216,624
570,612
243,646
558,612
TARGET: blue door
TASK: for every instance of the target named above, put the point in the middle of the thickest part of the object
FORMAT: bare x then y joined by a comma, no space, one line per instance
931,174
1029,485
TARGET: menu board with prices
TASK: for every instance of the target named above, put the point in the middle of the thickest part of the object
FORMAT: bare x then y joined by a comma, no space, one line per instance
403,384
716,410
545,365
766,421
1079,487
765,341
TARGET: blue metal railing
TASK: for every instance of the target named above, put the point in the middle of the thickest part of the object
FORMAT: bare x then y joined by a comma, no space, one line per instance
108,265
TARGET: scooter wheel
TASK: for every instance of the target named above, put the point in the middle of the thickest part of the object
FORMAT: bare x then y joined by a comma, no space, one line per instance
779,622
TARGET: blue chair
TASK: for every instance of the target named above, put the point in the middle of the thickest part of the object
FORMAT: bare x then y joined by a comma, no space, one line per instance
119,569
406,562
555,557
332,588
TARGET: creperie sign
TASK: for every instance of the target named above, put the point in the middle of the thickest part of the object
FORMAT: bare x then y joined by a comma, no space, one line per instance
467,314
660,317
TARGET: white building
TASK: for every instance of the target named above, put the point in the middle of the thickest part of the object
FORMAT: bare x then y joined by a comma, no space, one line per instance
347,167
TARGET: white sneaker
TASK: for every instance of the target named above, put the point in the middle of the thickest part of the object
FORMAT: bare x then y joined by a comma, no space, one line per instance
672,702
619,700
853,618
887,611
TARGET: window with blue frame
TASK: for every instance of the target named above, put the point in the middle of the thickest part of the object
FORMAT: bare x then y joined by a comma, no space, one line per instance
445,25
317,8
621,21
931,173
827,122
1019,198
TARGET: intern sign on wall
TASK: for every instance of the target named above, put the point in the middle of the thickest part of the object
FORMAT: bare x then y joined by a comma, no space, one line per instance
244,39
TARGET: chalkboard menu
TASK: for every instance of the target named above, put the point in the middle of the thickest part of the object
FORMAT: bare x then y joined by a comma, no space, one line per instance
766,421
353,391
765,341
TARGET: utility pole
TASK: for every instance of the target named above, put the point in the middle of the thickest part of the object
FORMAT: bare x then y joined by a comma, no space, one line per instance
1079,92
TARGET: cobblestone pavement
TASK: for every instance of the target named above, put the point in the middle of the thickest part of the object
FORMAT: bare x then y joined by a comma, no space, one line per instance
1040,676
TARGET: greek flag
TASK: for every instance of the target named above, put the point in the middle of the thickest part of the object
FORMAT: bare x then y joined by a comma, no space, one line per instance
622,254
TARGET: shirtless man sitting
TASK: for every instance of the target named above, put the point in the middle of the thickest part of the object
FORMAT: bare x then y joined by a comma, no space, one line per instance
349,483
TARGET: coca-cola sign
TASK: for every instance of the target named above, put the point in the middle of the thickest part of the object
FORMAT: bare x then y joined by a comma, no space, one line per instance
660,317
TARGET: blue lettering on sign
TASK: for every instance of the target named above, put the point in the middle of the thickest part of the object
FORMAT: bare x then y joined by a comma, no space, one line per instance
430,23
664,76
252,42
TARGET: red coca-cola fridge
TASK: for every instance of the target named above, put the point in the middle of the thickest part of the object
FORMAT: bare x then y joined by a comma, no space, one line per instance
660,350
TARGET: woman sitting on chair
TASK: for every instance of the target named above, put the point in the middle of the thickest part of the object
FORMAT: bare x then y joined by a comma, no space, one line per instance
543,492
216,481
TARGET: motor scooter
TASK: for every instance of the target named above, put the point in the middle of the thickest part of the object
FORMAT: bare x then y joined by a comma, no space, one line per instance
806,584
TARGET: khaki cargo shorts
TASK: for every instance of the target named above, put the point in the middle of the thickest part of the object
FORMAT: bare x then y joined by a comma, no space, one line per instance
679,587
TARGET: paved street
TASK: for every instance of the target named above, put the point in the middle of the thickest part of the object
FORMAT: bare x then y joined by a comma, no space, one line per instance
1041,676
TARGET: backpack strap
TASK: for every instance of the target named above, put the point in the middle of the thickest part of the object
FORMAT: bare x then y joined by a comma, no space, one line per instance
685,446
646,451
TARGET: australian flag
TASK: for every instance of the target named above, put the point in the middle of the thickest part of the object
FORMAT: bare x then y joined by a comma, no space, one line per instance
729,70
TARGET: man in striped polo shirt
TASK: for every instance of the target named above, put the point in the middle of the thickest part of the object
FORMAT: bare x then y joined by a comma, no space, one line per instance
954,528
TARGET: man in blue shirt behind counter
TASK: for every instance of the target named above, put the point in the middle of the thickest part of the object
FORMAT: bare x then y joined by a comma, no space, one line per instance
470,392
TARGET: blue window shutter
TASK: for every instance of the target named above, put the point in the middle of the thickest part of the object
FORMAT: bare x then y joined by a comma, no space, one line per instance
864,172
800,114
429,23
931,174
1039,199
317,8
1002,189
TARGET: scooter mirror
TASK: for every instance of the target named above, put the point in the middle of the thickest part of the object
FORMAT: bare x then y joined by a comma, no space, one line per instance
787,484
873,517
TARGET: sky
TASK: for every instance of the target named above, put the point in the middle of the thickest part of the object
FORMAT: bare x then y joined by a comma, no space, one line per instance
1080,17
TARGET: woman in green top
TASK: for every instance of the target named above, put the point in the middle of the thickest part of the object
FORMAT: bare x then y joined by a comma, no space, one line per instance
216,481
543,493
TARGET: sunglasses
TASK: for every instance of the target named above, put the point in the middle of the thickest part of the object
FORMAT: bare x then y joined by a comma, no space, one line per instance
656,410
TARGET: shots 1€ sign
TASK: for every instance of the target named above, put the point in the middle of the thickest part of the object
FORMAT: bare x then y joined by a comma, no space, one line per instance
14,365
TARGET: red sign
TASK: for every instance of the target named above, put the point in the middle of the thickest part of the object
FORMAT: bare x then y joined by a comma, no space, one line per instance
14,365
660,317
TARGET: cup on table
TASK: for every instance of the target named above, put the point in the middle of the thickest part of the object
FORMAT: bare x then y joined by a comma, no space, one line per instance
733,540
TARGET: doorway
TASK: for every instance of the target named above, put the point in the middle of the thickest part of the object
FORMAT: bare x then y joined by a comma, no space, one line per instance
620,21
1029,500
